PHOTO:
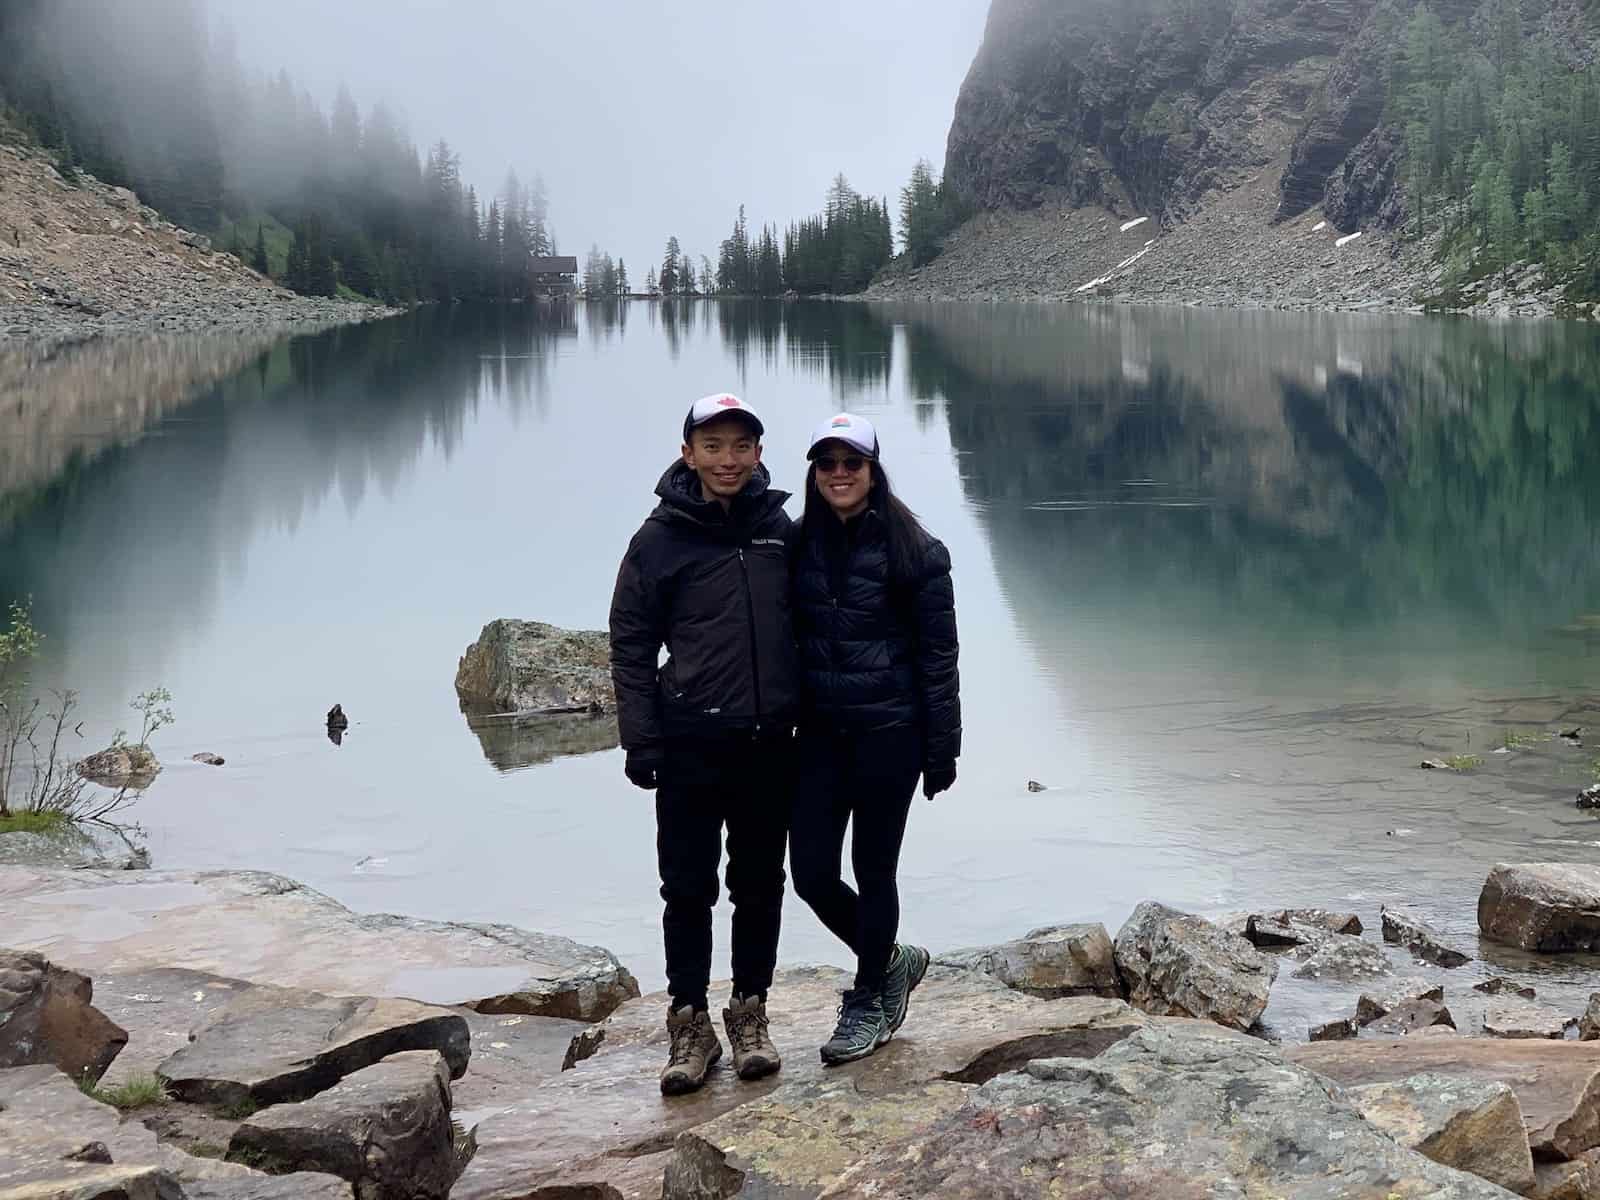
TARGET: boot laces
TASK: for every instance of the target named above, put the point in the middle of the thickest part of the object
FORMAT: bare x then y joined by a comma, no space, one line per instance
683,1043
852,1012
747,1030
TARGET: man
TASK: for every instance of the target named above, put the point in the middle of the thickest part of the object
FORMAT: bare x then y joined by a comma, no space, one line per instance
710,730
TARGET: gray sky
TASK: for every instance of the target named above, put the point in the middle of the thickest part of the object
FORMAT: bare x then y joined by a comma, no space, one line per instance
646,118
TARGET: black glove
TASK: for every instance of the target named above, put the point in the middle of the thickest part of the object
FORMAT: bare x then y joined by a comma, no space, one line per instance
643,768
938,777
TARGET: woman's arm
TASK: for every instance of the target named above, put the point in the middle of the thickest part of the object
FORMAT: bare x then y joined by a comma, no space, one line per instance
937,651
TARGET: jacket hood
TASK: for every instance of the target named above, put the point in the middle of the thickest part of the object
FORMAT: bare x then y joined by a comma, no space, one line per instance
681,498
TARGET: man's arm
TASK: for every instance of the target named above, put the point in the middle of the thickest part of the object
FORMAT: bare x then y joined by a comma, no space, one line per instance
638,629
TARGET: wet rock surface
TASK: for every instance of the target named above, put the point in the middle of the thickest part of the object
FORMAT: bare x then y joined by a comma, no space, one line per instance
57,1142
1545,907
1510,1017
121,766
1340,958
1557,1084
385,1128
1471,1125
47,1015
1378,1002
1411,1016
1180,965
1404,928
1203,1109
1052,962
253,925
72,849
272,1045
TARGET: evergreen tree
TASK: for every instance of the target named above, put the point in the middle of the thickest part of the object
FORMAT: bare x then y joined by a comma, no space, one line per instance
622,278
258,259
667,280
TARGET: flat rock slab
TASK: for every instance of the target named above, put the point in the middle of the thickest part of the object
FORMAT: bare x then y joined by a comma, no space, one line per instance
47,1016
1411,1017
1469,1124
1557,1083
1178,1114
1509,1017
584,1128
1179,965
262,927
1051,963
55,1141
1404,928
271,1045
385,1129
1546,907
799,1139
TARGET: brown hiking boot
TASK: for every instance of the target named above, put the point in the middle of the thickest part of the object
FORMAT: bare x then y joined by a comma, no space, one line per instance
694,1048
754,1055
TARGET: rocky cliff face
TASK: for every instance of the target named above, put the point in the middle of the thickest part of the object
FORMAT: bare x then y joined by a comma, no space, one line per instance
1152,104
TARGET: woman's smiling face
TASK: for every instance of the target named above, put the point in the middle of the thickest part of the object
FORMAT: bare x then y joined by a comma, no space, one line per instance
843,477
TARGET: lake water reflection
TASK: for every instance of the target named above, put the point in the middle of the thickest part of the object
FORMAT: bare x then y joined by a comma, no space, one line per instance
1223,580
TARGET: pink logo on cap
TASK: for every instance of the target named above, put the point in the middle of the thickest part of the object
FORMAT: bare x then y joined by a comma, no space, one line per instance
729,402
839,423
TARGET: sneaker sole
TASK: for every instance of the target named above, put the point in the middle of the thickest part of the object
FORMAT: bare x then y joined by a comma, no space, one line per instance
682,1085
855,1056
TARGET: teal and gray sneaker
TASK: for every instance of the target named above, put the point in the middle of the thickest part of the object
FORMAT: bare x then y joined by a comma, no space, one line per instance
862,1028
907,966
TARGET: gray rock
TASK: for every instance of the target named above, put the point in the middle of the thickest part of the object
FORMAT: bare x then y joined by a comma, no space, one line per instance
47,1015
1546,907
1578,1179
528,666
272,1045
1056,961
1496,984
1333,1031
1381,1001
73,849
386,1129
121,766
55,1143
1557,1083
1472,1125
1410,1017
1344,959
1179,965
1589,1023
1404,928
1513,1018
249,924
1168,1112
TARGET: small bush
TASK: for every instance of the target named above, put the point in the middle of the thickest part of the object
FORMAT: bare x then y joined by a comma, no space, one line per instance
138,1091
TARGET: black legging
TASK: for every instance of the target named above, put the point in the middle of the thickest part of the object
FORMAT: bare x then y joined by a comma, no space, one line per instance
868,780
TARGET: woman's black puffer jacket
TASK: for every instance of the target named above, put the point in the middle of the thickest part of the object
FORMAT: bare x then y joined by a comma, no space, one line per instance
876,652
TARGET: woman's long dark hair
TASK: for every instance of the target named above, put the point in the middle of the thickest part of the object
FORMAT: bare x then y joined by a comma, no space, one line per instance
908,539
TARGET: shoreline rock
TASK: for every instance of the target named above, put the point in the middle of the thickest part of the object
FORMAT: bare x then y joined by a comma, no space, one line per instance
1545,907
255,925
1179,965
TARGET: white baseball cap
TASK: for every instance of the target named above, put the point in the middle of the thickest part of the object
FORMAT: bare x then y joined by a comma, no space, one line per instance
848,428
720,404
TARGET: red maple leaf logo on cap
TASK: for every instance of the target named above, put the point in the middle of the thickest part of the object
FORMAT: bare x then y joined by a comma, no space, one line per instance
728,401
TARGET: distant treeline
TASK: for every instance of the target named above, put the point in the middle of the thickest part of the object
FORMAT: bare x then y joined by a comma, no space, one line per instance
146,96
1502,138
836,251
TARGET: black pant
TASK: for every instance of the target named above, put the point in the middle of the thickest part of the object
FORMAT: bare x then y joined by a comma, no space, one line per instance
743,783
867,779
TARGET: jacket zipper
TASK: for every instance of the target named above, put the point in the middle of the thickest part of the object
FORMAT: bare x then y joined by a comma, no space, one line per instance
750,615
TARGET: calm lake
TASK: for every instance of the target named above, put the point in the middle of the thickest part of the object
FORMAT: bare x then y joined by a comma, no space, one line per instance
1223,580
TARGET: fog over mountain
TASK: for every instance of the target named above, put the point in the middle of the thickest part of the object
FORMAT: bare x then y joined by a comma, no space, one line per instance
644,119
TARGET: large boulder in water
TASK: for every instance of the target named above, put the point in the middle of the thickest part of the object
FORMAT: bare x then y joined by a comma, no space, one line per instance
1179,965
1053,962
1549,907
530,667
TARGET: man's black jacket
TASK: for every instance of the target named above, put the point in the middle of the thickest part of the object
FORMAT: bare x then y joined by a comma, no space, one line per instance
713,587
877,651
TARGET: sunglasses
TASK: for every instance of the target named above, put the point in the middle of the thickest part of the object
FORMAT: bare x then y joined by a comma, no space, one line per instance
829,463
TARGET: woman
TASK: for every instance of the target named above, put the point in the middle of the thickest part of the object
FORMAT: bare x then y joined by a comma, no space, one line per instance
874,612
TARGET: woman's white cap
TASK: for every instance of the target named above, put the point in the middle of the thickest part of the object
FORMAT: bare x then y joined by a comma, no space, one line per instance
848,428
